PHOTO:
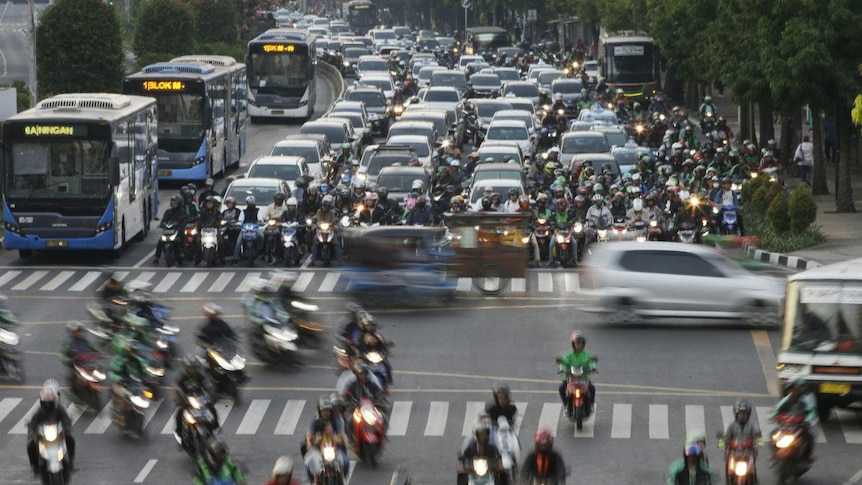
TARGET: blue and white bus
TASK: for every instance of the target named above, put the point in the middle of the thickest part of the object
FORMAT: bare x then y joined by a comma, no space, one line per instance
202,114
79,172
281,83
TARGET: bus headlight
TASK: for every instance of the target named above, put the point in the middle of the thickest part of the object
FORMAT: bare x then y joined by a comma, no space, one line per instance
199,160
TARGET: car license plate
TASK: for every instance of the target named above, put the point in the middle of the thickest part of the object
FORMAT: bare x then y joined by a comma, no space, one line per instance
57,244
278,112
165,173
832,388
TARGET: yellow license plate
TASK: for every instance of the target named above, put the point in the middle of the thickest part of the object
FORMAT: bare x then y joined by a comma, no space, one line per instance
165,173
831,388
277,112
57,244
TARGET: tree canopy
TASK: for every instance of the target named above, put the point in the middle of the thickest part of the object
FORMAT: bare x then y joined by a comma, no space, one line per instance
164,27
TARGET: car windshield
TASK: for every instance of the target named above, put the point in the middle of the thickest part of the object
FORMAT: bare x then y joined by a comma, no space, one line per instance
354,118
425,73
485,80
523,90
626,158
373,65
507,133
547,77
335,134
499,157
602,115
422,149
273,171
568,87
381,84
379,162
408,130
355,52
528,121
263,196
370,98
508,75
441,95
615,138
480,190
827,318
585,144
398,182
439,123
487,110
449,78
308,153
496,174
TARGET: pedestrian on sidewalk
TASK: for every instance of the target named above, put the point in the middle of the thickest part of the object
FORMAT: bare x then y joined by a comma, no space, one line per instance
804,158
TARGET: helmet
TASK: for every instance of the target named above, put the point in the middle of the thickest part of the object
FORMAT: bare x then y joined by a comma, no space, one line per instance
580,199
707,99
544,439
421,201
417,185
524,201
500,389
345,146
561,203
177,199
650,198
283,466
741,405
692,449
324,403
279,196
513,191
636,177
576,337
212,310
209,199
210,182
250,200
74,326
620,91
598,199
486,202
559,97
727,180
542,199
684,195
327,201
292,201
49,396
454,200
217,450
480,427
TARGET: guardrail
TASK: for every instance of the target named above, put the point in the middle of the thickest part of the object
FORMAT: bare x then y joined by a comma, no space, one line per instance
334,74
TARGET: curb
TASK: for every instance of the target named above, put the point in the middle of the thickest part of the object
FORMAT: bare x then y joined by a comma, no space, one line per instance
778,259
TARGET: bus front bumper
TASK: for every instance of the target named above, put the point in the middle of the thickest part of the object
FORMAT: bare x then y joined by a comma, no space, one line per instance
104,240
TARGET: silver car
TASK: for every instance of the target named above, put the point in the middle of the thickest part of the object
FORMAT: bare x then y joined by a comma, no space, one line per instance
633,280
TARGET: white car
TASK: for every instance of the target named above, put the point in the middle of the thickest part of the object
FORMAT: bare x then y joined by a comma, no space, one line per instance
512,130
518,114
424,152
287,168
314,152
263,190
371,64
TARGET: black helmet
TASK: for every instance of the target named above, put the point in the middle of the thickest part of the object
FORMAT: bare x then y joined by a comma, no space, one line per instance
500,389
177,199
383,193
513,191
742,406
486,202
209,199
279,196
217,452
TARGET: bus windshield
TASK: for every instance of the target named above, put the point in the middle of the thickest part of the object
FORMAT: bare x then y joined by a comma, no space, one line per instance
828,317
180,121
629,63
283,73
51,169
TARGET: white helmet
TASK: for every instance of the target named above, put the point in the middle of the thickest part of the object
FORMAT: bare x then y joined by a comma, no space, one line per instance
638,205
636,177
684,195
292,201
418,185
598,198
283,466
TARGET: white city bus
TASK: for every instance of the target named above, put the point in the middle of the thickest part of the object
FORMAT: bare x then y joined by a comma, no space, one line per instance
281,78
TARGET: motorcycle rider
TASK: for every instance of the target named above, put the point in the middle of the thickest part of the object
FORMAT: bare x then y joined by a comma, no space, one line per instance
208,191
282,472
124,368
798,400
618,207
742,429
372,341
421,213
216,466
706,107
175,214
543,464
502,404
482,447
561,219
293,214
689,137
362,386
189,205
691,469
327,215
325,421
192,381
49,411
578,357
113,288
636,213
77,344
276,209
598,215
344,158
215,328
250,214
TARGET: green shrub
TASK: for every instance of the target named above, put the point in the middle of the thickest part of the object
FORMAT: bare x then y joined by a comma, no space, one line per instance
778,212
750,188
145,60
802,208
759,201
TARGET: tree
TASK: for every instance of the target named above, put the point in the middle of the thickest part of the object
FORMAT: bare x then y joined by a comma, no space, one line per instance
79,48
217,21
164,27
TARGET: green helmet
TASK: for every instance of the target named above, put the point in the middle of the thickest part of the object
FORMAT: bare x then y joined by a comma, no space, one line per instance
345,146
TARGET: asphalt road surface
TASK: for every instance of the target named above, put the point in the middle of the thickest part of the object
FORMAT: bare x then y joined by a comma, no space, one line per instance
656,381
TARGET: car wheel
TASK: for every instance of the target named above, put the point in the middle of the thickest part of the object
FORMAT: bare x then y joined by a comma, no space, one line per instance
624,313
757,314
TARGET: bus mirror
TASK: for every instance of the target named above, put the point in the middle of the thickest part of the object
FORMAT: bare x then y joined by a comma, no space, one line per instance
114,170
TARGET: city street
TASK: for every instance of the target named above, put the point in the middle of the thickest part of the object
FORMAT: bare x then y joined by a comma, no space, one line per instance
14,42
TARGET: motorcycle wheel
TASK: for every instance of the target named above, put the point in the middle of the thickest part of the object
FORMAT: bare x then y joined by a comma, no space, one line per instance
579,418
329,480
489,279
54,478
369,453
249,254
170,257
209,257
290,256
325,256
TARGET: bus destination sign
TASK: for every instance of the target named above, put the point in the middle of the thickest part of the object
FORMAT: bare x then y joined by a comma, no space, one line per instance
628,50
54,130
288,48
163,85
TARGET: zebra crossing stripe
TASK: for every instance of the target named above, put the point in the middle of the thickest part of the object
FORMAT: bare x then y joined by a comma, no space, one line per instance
145,276
102,421
75,412
546,282
289,417
621,426
8,276
764,420
194,283
253,416
437,414
21,426
86,281
694,420
572,283
519,285
519,417
727,417
30,280
589,426
167,282
550,416
474,409
658,422
57,281
399,418
221,282
302,281
848,420
7,405
247,281
223,408
329,282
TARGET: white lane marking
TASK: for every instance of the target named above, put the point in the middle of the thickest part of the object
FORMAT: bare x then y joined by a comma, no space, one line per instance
329,282
221,282
519,416
253,416
145,276
550,417
223,409
196,280
290,417
350,472
75,412
854,479
120,275
546,282
151,411
474,409
102,421
21,426
621,426
30,280
305,263
145,471
7,405
727,417
694,420
572,283
658,429
589,425
57,281
436,425
764,420
167,282
170,425
247,281
302,281
400,418
7,277
464,284
86,281
519,285
849,425
149,257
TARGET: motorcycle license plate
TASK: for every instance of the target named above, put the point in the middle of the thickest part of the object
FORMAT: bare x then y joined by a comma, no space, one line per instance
833,388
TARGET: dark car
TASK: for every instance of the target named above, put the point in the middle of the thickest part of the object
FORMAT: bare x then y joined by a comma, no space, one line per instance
399,181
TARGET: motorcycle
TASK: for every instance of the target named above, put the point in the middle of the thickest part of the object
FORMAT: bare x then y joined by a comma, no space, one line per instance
228,234
729,221
210,248
577,391
563,251
198,424
273,337
271,239
54,466
740,467
172,243
226,367
369,431
510,450
639,231
788,446
191,237
542,233
130,416
86,385
479,471
290,242
331,472
707,121
325,235
10,360
248,234
376,362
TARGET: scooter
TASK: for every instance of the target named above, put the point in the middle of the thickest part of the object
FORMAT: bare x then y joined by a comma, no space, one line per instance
273,338
331,472
210,245
87,381
290,243
369,432
479,471
788,444
248,234
543,233
325,235
729,221
740,467
54,466
271,239
172,243
577,393
191,242
563,251
226,367
510,448
130,416
198,424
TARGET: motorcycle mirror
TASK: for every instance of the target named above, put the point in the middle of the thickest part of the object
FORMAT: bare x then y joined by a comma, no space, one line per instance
558,360
595,358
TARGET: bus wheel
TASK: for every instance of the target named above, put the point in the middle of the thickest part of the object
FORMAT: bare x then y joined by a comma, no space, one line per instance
25,254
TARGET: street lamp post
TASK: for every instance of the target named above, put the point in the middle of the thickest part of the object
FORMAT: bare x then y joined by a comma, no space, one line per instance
466,4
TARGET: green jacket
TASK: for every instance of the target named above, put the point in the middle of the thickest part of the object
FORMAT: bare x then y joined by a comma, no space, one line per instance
578,359
806,406
228,471
677,475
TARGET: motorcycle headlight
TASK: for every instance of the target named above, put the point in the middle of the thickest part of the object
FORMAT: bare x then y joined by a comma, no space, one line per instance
221,361
560,238
154,371
238,362
695,201
329,453
541,222
308,307
188,417
172,237
715,210
50,432
603,233
280,333
740,468
662,117
754,175
579,227
653,223
374,357
525,239
480,466
345,221
784,440
195,403
368,416
324,226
